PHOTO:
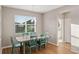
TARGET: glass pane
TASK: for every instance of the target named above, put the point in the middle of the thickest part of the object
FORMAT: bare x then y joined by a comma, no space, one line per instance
20,28
30,22
30,28
20,19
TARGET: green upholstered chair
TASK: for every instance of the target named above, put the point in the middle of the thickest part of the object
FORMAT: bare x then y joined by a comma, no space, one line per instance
43,34
32,43
32,34
42,41
15,44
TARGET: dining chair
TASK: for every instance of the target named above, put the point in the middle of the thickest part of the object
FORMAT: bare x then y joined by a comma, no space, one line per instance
32,34
32,43
43,34
15,44
42,42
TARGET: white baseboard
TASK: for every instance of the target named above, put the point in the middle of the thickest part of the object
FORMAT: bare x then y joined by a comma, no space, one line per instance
52,43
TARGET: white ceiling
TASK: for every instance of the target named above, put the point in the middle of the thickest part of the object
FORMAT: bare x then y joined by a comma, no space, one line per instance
35,8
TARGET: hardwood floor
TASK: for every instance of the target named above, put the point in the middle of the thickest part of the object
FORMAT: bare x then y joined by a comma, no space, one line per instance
63,48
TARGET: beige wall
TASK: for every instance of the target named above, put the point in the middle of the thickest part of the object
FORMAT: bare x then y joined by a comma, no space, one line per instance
50,25
0,30
8,23
0,25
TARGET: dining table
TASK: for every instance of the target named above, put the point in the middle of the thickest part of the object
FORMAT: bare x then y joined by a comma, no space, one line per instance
24,39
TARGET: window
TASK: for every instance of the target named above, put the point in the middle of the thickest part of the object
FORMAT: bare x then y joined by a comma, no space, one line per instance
25,24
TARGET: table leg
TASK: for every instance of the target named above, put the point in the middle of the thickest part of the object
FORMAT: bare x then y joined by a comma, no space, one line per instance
24,50
21,48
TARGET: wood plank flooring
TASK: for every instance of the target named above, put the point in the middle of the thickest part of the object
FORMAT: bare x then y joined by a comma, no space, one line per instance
50,49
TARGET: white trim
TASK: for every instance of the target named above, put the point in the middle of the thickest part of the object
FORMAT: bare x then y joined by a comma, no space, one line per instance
6,47
52,43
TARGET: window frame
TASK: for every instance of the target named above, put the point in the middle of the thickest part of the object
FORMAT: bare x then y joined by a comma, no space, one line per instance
25,24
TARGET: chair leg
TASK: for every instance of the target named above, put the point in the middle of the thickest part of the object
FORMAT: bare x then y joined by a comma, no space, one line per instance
30,51
21,48
12,51
44,46
40,47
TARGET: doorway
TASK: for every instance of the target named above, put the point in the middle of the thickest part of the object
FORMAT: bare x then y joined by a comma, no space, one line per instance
64,30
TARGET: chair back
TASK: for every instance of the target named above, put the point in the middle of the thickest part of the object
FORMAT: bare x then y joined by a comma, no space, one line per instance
43,34
32,34
42,40
32,42
14,41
